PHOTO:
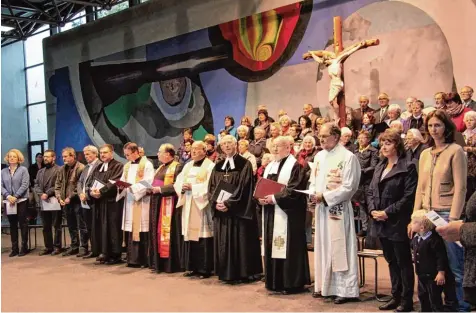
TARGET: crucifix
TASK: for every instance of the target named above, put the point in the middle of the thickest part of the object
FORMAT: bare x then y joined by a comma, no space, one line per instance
334,61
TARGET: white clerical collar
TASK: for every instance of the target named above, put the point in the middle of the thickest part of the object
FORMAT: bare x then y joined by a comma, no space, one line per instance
274,167
417,117
104,167
229,160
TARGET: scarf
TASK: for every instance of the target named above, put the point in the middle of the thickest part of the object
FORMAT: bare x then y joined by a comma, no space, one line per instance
457,110
303,154
468,133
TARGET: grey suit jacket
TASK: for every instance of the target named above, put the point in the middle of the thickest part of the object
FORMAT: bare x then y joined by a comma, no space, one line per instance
378,118
472,105
86,181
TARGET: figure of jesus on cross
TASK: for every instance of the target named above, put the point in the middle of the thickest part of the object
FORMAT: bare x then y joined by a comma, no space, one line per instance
334,62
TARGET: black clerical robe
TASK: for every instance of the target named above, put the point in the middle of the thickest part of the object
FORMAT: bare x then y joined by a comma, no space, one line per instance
174,262
291,273
237,247
110,211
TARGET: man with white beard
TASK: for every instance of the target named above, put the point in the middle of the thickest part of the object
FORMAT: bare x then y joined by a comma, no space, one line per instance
334,180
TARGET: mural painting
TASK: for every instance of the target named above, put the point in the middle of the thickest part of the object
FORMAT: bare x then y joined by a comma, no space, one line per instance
150,93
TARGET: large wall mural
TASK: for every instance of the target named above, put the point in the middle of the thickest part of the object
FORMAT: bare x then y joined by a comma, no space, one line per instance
148,94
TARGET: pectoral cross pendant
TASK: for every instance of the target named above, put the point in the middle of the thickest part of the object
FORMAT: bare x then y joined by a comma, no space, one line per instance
226,174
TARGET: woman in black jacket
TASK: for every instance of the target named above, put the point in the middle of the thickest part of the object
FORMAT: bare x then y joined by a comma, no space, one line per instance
390,201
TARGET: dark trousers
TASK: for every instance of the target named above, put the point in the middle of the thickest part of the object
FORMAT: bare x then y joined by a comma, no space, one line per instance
399,259
429,294
14,220
52,219
85,221
73,211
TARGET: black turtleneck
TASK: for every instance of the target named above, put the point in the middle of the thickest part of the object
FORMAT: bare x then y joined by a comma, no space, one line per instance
199,162
136,161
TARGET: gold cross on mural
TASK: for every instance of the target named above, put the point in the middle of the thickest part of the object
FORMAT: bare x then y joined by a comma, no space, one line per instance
334,61
279,242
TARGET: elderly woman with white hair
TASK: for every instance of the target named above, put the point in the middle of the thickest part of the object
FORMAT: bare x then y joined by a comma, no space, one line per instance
393,113
305,157
398,126
414,144
242,133
346,139
285,122
258,146
470,148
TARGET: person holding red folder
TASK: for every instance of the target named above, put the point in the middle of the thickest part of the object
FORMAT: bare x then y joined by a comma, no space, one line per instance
284,219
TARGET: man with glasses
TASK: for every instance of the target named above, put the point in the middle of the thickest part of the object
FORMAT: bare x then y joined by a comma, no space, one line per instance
196,221
466,97
45,189
110,211
284,223
237,250
358,114
382,114
165,222
409,102
334,180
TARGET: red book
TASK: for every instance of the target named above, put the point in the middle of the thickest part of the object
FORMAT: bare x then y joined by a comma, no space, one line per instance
266,187
120,183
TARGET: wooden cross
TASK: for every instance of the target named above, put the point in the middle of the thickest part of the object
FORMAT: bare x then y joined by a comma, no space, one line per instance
338,48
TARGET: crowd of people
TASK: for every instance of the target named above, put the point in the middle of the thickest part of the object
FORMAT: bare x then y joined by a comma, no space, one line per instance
197,213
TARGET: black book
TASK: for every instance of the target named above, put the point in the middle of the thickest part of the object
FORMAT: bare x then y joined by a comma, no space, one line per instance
227,188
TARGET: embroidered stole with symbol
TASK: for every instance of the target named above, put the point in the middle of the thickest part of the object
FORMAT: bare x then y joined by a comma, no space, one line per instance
280,227
166,210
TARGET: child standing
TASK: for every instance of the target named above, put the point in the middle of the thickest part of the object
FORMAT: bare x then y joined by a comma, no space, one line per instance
432,267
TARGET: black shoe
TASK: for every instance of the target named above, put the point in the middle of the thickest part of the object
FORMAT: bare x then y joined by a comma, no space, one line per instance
113,261
362,233
101,257
70,252
56,251
404,308
342,300
390,305
23,252
90,255
46,252
13,253
204,276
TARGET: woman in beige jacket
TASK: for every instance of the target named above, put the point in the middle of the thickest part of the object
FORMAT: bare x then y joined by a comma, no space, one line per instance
443,169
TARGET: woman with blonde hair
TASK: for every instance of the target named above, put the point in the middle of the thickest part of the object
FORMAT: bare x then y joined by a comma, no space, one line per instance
15,182
246,121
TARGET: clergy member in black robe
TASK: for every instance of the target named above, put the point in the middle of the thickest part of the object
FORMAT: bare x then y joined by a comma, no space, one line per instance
237,247
110,211
288,274
164,187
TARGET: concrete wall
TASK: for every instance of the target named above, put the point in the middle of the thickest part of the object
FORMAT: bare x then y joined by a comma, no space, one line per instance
14,115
